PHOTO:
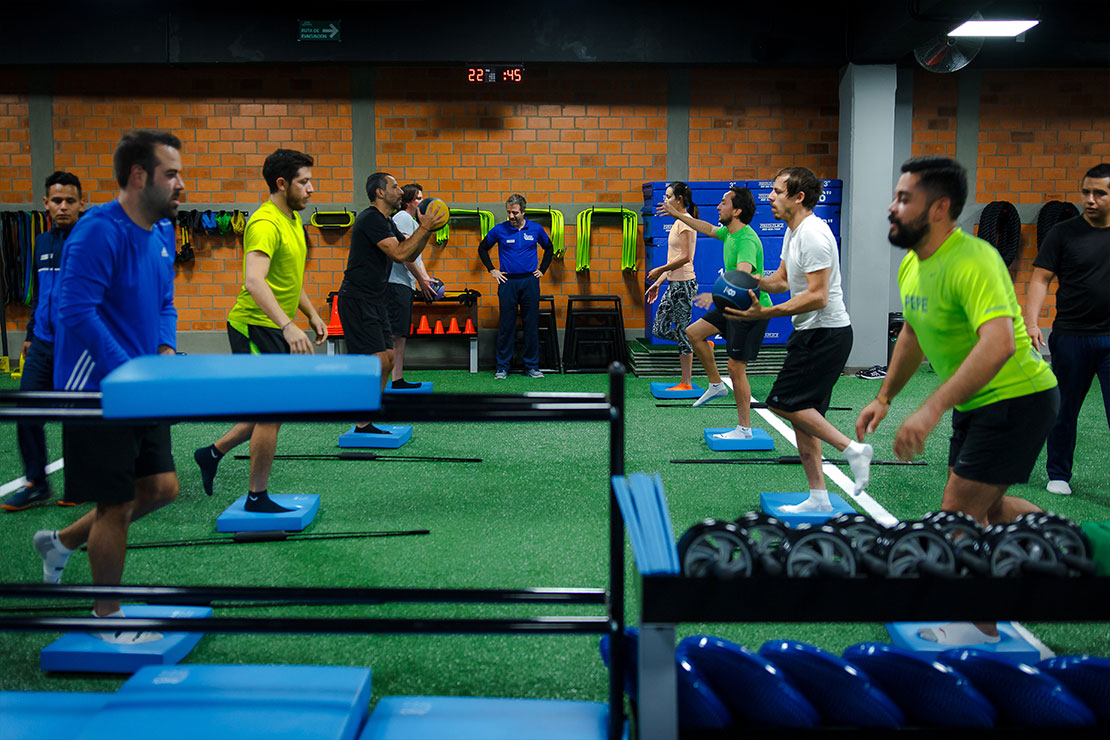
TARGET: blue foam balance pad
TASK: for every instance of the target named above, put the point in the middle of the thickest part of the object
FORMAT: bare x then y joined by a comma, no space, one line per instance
424,387
842,693
398,435
81,651
1013,647
191,386
302,506
1023,695
772,504
47,715
660,390
479,718
755,691
931,693
760,441
246,702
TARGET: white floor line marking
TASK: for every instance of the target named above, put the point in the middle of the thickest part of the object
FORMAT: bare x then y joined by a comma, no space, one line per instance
843,482
16,484
1044,650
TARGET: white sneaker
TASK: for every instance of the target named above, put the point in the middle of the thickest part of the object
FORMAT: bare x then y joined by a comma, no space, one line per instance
125,637
53,557
737,433
715,390
1059,487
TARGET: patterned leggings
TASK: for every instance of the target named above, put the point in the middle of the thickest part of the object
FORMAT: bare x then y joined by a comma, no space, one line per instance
673,315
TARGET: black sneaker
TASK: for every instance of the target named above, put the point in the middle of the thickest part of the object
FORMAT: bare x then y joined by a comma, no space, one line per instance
875,372
28,496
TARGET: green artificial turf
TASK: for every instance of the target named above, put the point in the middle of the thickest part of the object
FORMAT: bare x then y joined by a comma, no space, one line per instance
534,513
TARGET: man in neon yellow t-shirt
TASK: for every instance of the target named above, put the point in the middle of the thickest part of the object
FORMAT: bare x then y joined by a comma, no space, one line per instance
962,314
262,319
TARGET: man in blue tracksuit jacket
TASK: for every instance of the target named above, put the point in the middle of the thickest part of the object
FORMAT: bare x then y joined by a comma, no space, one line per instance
518,283
63,201
114,302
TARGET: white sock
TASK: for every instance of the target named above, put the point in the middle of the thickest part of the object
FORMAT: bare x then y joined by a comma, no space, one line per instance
53,553
124,637
859,461
957,633
738,433
818,501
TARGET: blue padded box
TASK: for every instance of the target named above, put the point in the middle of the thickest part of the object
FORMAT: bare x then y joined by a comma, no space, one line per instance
779,328
424,387
659,390
830,214
772,504
47,715
245,702
1012,646
236,518
765,223
479,718
760,440
398,435
80,651
772,255
709,258
190,386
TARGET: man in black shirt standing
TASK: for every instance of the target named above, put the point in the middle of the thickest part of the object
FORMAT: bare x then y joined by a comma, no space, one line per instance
375,245
1077,253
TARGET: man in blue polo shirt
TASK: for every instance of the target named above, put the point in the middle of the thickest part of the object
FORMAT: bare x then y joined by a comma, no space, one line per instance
518,283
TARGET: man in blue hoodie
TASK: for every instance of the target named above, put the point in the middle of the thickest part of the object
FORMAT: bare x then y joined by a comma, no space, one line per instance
114,302
63,203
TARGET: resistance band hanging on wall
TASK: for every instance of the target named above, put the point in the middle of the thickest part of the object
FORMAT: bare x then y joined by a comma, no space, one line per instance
628,232
557,230
485,222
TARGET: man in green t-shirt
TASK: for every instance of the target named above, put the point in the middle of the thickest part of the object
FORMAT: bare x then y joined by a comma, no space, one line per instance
962,314
262,319
742,251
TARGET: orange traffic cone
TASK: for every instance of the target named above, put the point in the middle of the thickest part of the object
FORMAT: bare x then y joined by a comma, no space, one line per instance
469,328
453,328
424,328
335,326
439,328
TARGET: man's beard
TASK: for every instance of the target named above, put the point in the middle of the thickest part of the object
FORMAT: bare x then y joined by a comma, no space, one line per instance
908,235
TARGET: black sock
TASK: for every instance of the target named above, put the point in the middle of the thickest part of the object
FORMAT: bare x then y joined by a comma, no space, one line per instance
261,503
208,459
403,384
370,429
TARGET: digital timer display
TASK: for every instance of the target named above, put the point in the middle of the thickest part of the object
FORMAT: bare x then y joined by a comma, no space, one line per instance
494,74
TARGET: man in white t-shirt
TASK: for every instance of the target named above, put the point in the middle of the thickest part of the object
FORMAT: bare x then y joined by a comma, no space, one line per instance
822,337
403,280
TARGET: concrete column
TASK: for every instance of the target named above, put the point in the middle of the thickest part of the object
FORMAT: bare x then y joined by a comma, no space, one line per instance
866,161
364,146
678,125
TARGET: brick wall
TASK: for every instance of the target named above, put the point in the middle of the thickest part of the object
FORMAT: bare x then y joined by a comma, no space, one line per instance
15,144
1039,131
747,124
569,136
934,114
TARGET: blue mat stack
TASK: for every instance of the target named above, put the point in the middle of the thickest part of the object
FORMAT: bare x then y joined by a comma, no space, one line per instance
648,521
790,684
708,253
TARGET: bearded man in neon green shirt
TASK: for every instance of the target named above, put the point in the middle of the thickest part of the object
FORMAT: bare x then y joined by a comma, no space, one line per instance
962,314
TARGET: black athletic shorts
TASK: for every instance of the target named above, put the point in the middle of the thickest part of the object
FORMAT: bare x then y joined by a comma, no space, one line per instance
742,338
999,443
399,308
814,361
366,326
103,462
259,340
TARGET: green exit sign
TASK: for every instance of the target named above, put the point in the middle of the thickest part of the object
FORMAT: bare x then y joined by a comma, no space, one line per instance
318,31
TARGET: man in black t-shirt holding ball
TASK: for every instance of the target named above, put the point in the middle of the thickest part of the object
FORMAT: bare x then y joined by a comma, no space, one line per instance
375,245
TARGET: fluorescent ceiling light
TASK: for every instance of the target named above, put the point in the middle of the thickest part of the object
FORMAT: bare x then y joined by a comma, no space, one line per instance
993,28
